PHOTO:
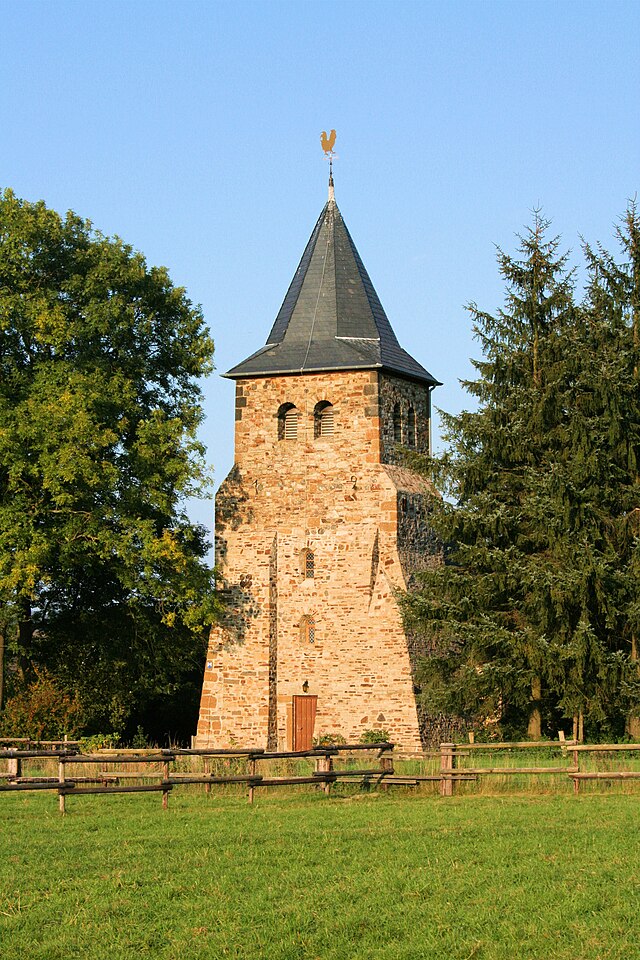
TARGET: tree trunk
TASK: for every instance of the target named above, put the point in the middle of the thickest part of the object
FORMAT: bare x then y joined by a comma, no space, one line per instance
25,639
534,730
633,720
2,644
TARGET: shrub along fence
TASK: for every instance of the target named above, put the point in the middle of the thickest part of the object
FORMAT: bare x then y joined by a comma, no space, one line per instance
155,769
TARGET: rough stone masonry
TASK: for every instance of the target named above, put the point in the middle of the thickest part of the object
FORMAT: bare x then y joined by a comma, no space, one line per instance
320,521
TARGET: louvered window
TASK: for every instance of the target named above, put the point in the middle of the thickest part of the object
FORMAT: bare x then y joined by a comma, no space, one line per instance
326,422
287,422
291,424
323,419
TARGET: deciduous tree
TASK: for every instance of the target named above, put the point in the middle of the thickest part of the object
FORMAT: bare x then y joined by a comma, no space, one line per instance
102,575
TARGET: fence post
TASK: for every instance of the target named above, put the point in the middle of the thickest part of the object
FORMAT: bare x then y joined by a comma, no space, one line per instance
15,767
104,768
576,763
328,767
207,771
561,741
447,765
252,770
61,796
386,765
165,777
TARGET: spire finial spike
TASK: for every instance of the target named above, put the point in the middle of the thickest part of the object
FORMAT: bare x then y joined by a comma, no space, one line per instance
328,143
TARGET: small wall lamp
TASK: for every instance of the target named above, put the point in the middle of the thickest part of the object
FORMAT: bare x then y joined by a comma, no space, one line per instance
305,687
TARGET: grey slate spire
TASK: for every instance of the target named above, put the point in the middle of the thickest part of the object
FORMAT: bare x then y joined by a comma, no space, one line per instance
331,317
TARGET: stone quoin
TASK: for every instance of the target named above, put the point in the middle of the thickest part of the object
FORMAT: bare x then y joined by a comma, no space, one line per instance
320,522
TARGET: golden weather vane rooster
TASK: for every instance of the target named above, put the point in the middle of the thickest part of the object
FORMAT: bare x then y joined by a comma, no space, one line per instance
328,142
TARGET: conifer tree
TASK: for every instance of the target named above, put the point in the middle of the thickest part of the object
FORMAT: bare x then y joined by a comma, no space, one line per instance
613,302
529,612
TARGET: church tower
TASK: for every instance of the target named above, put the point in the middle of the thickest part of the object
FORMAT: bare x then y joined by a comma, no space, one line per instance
319,522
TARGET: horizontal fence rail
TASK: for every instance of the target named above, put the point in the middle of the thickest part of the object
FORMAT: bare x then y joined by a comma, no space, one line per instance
454,766
154,770
164,780
28,743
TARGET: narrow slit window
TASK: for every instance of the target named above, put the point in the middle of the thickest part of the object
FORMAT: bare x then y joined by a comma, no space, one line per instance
397,423
308,564
308,630
411,427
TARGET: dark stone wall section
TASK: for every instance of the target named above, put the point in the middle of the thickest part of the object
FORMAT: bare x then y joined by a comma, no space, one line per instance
272,725
420,549
406,394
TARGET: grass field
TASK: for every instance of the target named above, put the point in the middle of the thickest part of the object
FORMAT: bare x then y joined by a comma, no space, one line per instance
303,876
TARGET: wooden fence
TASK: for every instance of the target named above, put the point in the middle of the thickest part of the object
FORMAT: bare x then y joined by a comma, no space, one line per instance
454,766
450,765
164,780
27,743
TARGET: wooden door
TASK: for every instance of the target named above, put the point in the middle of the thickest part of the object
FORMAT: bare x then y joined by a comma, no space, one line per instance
304,718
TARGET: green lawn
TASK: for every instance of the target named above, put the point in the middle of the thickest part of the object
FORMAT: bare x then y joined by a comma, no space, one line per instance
303,876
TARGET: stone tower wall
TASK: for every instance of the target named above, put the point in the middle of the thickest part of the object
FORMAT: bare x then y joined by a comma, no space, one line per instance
344,498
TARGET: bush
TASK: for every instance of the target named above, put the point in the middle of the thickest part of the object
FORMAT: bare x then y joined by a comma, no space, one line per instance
140,740
375,736
329,740
41,711
98,741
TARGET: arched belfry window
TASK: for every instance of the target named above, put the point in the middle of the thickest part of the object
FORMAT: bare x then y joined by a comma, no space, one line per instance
323,419
288,422
397,423
308,630
411,427
308,564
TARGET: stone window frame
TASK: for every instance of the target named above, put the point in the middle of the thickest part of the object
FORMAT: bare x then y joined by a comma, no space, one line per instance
308,629
288,415
308,563
323,420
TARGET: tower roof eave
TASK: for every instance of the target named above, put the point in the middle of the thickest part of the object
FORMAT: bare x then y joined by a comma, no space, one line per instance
232,375
254,366
331,317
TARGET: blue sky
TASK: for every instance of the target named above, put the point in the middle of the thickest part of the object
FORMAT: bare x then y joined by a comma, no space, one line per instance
191,130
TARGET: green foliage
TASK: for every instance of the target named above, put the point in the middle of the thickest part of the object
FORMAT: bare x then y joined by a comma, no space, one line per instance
99,741
41,710
102,576
375,736
536,605
140,741
329,740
